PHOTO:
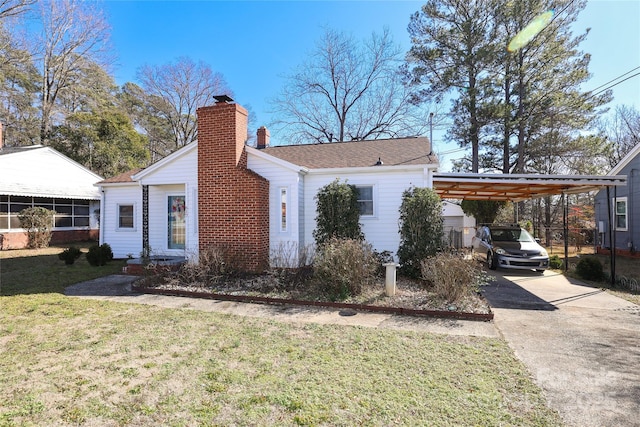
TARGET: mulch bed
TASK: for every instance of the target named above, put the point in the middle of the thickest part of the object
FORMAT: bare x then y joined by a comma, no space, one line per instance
411,298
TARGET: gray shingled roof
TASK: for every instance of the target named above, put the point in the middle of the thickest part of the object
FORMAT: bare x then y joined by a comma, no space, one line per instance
392,152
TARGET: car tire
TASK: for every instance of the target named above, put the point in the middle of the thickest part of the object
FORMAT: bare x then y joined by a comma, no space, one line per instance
492,261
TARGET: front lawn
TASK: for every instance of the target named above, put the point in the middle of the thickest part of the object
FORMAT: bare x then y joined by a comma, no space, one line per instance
30,271
73,361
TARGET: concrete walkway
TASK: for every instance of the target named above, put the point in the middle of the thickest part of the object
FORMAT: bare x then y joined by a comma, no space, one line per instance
118,288
581,344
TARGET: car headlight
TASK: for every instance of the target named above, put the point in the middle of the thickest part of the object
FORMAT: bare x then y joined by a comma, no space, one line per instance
500,251
544,253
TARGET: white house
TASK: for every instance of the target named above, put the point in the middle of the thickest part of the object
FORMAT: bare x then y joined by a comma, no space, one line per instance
38,176
252,201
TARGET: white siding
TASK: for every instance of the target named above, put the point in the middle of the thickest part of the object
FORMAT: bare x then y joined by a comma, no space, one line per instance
381,229
176,175
280,177
123,242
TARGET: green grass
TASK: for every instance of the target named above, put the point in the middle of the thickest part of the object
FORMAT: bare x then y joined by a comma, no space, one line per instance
70,361
73,361
40,271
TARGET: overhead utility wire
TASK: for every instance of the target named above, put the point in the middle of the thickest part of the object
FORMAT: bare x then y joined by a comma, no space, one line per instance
613,80
613,85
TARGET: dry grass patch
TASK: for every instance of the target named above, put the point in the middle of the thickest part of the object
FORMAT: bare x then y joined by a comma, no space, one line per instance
70,361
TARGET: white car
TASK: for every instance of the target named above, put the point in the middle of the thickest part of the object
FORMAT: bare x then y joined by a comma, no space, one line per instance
509,246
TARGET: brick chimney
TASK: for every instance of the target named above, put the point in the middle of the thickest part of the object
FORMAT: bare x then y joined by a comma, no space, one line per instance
263,137
233,201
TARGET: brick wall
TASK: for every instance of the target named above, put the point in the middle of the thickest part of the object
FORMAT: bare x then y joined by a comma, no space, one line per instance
19,240
233,202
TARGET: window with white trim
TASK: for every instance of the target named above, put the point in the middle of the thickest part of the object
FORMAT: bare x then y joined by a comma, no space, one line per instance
365,199
620,210
125,217
283,209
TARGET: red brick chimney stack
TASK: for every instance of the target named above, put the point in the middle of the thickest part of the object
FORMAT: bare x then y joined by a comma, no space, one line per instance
233,201
263,137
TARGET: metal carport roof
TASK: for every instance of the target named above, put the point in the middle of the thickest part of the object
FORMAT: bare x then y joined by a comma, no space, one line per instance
517,187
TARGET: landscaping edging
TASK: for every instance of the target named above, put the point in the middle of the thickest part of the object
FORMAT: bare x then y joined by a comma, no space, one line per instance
484,317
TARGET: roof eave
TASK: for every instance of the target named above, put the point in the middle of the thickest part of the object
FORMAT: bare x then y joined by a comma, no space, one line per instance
374,169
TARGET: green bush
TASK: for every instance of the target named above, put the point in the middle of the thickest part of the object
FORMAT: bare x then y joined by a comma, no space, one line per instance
338,213
452,277
590,268
342,267
555,262
99,254
70,255
38,222
421,229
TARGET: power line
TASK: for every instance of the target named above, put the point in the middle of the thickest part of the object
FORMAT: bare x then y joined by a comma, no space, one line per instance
613,80
613,85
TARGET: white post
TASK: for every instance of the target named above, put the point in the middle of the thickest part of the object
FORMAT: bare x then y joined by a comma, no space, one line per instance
390,278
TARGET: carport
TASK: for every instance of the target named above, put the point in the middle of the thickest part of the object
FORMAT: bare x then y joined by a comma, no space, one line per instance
520,187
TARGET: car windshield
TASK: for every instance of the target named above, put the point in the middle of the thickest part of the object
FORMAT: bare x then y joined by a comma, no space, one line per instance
510,235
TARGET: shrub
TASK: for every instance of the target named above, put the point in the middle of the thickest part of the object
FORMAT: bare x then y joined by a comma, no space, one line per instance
382,258
451,276
421,228
342,267
38,222
209,269
590,268
338,213
70,255
555,262
290,265
99,254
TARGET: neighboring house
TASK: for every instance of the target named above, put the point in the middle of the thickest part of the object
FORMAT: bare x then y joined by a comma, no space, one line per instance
624,205
252,201
40,176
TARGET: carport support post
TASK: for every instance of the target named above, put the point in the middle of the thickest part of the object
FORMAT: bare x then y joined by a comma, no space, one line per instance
612,234
565,224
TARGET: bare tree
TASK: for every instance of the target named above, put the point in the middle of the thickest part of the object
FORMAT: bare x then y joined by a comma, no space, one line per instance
73,32
176,90
347,90
14,7
622,130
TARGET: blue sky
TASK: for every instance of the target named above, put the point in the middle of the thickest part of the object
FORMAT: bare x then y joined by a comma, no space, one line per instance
253,43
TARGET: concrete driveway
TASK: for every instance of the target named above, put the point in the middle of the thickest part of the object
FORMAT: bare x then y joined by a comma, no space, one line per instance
581,344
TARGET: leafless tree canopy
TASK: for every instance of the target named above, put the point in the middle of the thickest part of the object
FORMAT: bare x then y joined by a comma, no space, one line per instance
347,90
177,89
14,7
622,130
74,33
